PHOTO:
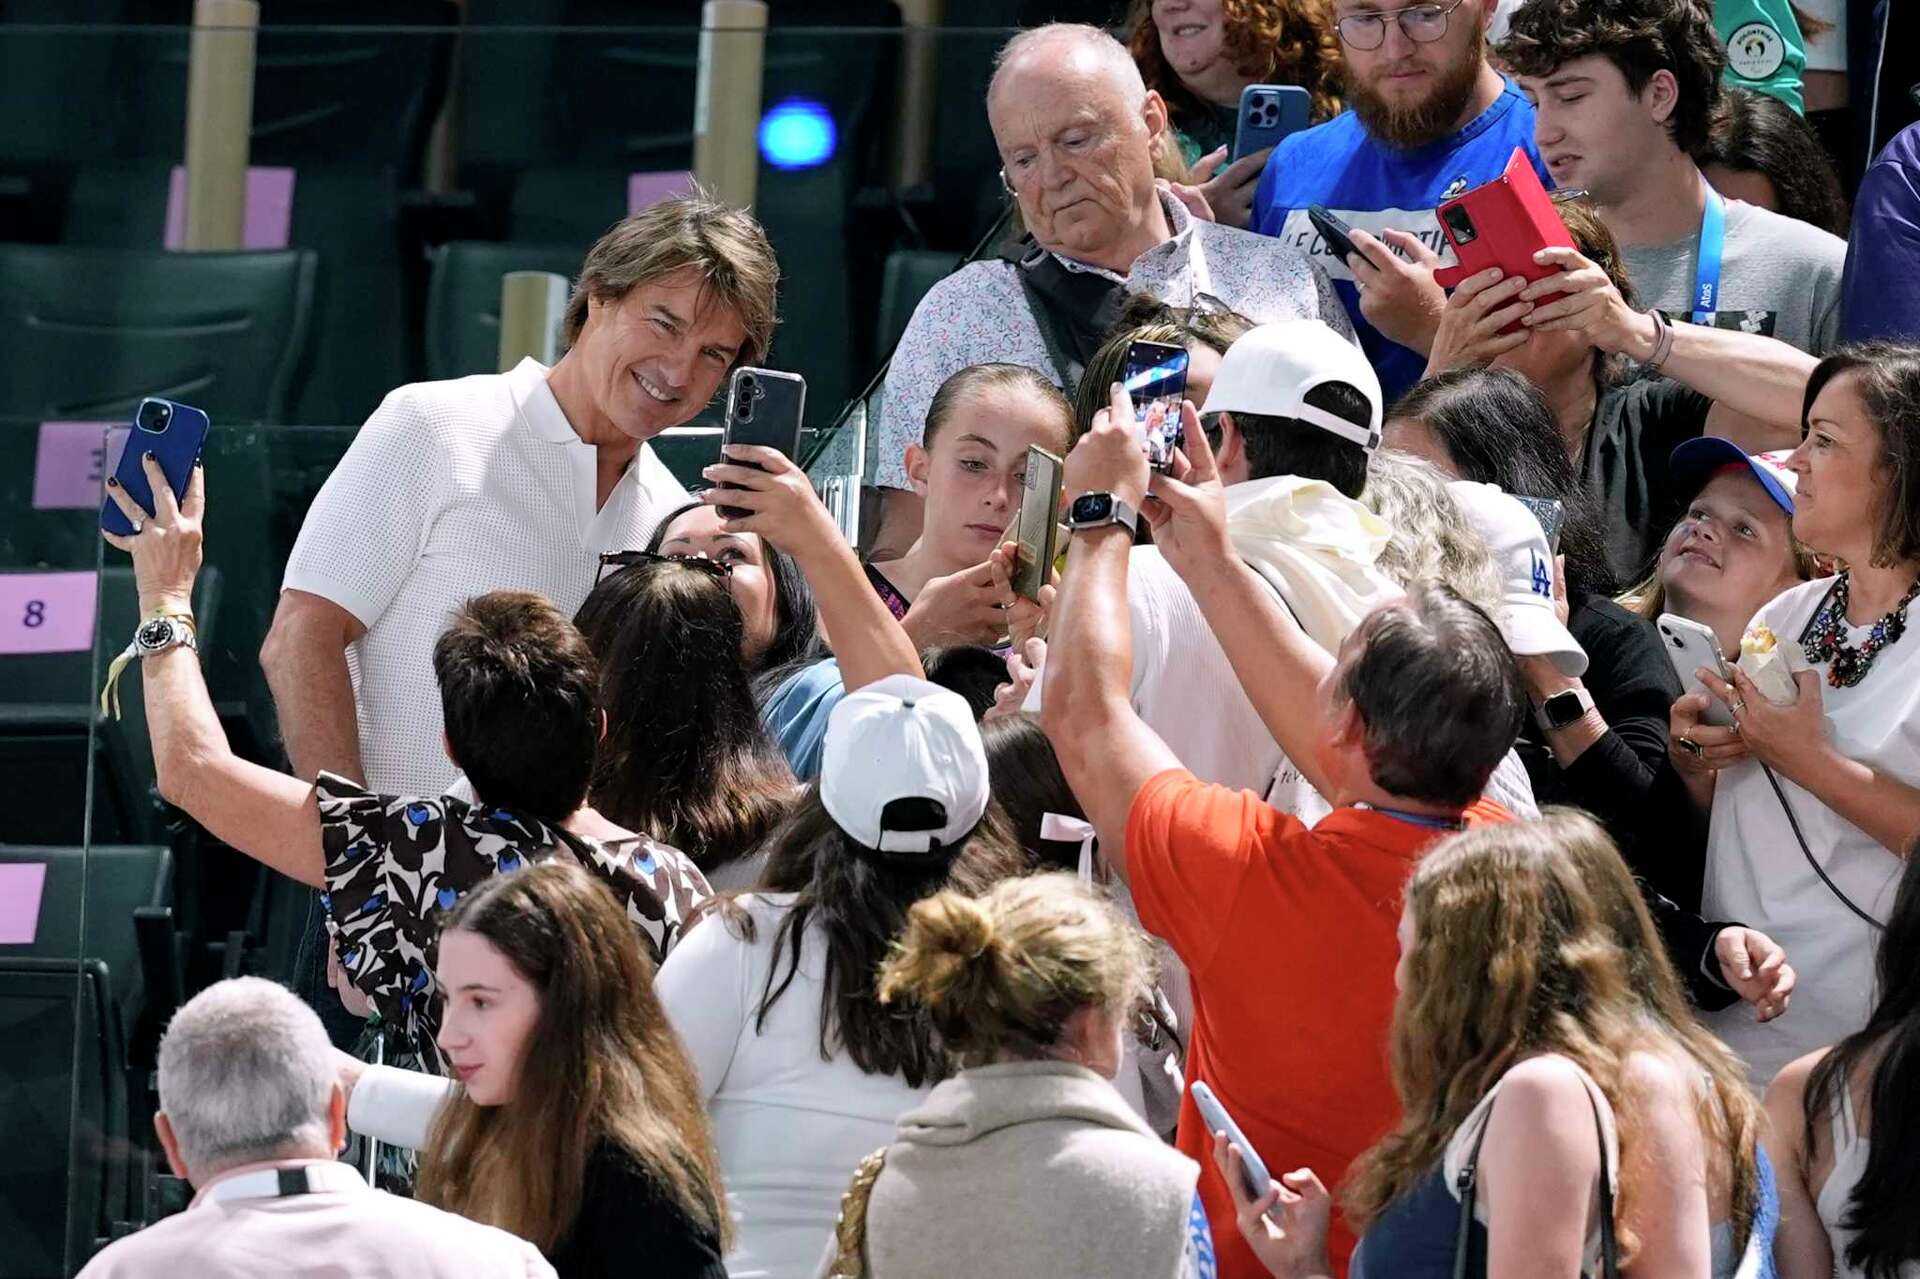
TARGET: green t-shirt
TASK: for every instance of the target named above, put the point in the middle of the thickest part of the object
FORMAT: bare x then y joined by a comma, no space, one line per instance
1764,48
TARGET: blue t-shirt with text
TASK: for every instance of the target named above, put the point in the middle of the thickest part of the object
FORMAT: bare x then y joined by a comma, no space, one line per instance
1373,186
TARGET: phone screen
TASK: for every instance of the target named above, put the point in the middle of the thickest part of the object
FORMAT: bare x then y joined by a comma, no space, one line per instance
1156,375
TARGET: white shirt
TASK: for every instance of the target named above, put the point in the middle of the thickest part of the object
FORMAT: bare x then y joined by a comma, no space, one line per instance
238,1228
790,1127
1757,874
453,489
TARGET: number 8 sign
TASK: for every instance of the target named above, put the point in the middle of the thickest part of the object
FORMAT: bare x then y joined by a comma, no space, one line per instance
47,612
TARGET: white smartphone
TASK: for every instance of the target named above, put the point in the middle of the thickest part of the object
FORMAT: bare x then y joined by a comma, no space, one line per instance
1691,646
1252,1167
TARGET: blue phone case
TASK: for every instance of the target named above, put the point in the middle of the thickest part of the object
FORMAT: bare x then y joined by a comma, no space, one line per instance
1268,113
173,433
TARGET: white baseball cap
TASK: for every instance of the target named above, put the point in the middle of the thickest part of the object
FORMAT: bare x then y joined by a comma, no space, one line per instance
903,739
1525,563
1272,367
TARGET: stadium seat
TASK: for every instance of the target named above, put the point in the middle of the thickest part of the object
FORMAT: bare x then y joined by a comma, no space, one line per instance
909,274
463,299
87,333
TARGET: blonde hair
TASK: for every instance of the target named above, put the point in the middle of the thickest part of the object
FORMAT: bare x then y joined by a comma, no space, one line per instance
1508,903
1000,974
1432,536
728,248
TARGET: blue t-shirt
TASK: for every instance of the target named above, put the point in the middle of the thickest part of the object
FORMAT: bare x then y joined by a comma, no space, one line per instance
796,714
1885,247
1374,186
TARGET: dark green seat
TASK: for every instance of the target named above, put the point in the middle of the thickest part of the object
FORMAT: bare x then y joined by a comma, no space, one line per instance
463,299
87,333
909,274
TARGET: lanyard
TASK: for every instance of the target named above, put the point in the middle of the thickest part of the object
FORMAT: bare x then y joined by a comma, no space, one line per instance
1713,241
1418,819
278,1183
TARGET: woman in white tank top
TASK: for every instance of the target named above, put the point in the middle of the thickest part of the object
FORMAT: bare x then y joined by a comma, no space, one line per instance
1846,1127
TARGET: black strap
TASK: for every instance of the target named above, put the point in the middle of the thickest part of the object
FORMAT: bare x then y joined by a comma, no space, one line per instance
1467,1186
1074,310
293,1181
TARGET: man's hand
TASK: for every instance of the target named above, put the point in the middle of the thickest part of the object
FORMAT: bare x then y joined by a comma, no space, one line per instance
165,545
1188,514
968,607
1587,303
1025,618
1294,1246
1229,188
1111,457
778,497
1472,320
1756,968
1398,295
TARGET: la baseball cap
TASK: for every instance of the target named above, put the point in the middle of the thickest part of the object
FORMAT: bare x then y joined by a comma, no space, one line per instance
902,769
1696,461
1272,367
1527,619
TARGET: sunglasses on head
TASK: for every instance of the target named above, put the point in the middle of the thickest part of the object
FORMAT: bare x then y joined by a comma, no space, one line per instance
627,559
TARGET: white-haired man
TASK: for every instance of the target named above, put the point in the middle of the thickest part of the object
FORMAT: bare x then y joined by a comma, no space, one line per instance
1075,127
252,1113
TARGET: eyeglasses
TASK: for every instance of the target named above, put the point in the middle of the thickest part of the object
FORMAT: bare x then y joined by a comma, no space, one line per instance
717,569
1420,23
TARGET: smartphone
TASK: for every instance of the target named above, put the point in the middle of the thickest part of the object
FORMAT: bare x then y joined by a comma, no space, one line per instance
764,407
1502,223
1253,1169
1551,515
1691,646
173,433
1156,374
1037,529
1335,234
1268,113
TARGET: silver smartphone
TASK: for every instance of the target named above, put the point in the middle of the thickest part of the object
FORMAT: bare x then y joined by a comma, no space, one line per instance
1691,646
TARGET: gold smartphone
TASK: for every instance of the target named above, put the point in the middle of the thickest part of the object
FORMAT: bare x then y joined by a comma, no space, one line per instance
1038,528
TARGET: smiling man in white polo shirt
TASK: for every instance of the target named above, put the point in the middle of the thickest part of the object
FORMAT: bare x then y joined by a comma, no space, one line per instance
512,481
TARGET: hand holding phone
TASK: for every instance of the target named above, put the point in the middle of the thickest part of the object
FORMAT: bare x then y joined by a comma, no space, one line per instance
1155,377
1255,1178
1691,646
174,434
1335,234
764,407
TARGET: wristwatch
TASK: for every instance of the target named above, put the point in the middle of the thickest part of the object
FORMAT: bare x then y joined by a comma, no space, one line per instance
1564,708
158,634
1095,510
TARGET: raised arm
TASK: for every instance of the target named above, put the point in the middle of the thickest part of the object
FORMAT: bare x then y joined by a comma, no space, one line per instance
1757,383
1105,749
868,642
265,814
1277,664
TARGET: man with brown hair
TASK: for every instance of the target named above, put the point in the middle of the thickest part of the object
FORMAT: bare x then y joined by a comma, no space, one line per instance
512,481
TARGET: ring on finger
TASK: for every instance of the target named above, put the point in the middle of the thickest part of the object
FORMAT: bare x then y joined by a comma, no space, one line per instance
1739,707
1690,746
138,525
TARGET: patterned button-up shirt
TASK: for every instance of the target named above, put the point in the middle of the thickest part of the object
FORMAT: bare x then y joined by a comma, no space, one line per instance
980,314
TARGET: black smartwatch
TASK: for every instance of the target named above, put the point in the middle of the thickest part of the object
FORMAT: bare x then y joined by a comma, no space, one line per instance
1564,708
1093,510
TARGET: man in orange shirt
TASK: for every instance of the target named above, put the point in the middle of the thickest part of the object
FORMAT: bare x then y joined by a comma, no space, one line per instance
1288,931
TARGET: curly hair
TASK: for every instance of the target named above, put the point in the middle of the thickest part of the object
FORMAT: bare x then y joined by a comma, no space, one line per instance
1639,37
1273,41
1753,132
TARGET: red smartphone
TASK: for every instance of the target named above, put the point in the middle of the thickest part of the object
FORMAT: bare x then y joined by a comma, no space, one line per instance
1502,223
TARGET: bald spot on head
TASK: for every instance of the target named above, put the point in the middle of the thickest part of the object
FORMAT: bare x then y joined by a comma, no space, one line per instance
1068,51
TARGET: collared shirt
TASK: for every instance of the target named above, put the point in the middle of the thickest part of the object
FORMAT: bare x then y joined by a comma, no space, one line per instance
240,1226
453,489
980,315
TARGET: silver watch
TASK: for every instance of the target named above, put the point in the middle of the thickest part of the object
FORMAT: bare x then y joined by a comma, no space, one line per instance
158,634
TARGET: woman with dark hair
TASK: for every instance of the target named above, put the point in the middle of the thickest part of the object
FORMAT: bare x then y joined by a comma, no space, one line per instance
1573,334
1762,151
1028,785
577,1124
801,1067
782,620
1846,1126
1813,798
1199,54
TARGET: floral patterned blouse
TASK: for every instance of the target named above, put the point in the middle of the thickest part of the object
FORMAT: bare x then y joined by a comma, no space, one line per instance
396,864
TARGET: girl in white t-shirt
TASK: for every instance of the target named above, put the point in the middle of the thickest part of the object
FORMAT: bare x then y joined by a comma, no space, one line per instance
1812,799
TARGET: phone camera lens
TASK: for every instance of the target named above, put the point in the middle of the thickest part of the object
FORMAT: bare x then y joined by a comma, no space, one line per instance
154,416
1460,225
1674,640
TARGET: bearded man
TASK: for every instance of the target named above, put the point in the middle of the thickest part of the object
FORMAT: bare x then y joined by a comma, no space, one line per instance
1430,118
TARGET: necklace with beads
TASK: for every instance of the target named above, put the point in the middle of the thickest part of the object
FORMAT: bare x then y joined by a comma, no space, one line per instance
1825,637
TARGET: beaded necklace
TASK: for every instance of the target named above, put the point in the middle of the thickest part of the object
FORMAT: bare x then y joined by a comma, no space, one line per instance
1824,639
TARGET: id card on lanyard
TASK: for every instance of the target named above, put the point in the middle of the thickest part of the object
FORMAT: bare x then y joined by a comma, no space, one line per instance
1706,275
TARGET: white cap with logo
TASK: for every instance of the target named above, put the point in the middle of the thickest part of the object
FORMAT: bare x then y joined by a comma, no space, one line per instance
1272,367
1520,553
896,741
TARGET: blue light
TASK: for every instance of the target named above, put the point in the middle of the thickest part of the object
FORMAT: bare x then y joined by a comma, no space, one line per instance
797,134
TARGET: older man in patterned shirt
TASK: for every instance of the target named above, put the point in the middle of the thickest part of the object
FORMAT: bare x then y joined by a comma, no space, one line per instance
1075,127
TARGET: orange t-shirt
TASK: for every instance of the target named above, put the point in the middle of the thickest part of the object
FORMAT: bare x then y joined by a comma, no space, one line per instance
1288,932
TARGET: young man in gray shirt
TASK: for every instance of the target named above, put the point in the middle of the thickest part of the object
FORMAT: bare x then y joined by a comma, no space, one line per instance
1623,95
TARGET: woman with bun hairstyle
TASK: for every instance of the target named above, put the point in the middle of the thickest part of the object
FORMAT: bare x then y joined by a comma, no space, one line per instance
1027,1162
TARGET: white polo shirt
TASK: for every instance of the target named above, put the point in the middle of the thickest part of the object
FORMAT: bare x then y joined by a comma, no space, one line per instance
453,489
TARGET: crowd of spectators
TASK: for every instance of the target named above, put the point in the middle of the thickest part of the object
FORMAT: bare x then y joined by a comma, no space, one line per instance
722,900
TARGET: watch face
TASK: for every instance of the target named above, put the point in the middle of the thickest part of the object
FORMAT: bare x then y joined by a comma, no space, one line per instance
154,633
1091,508
1563,709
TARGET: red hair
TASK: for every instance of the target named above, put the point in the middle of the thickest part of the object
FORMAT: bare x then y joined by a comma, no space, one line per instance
1272,41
